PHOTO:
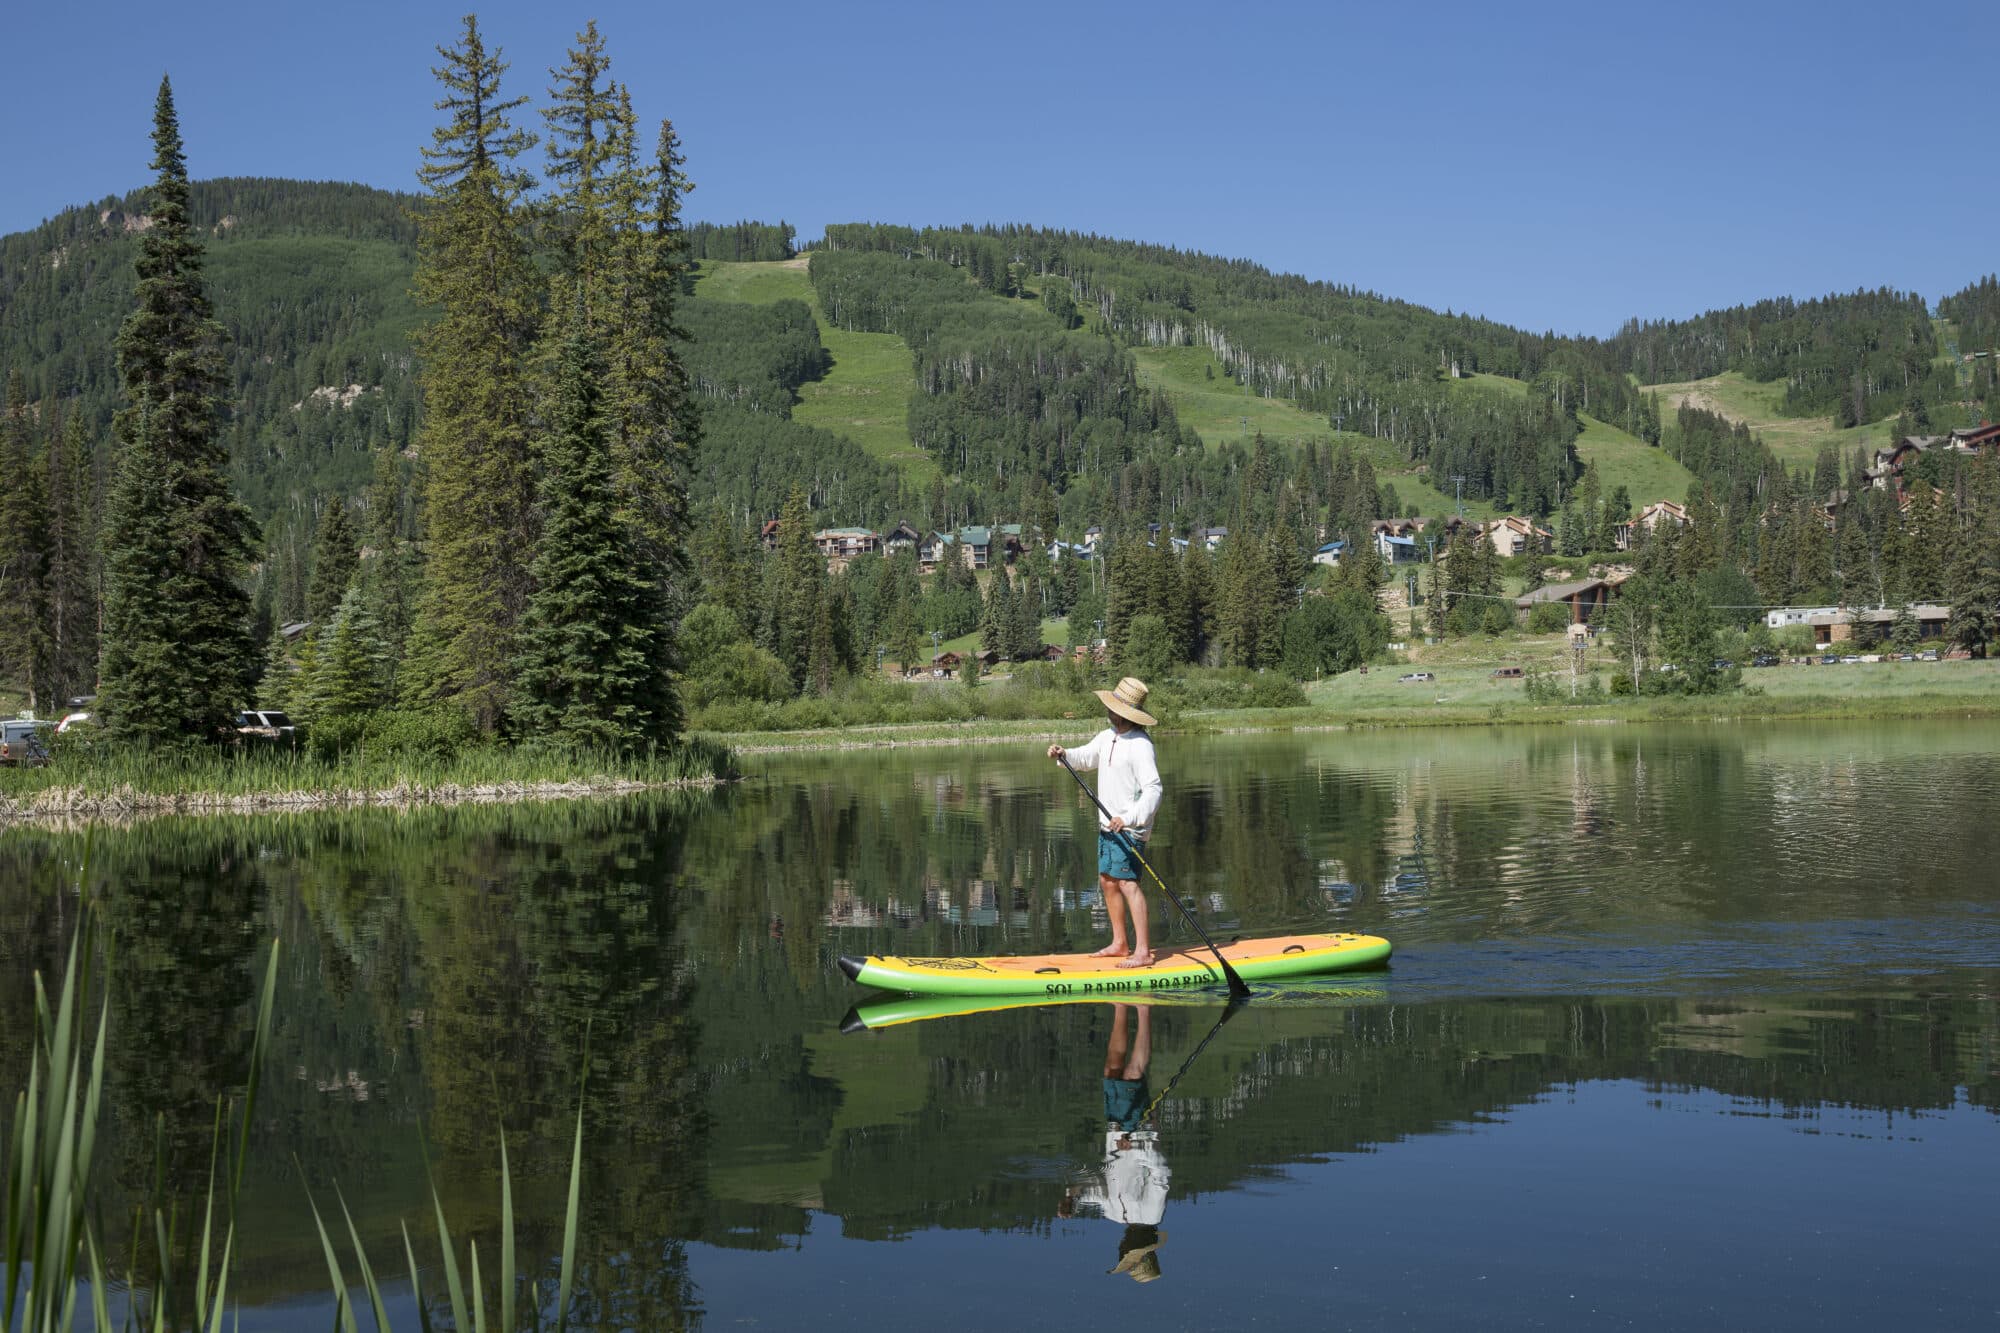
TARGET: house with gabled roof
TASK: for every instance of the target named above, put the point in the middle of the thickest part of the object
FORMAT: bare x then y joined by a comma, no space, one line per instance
1650,518
1518,536
933,551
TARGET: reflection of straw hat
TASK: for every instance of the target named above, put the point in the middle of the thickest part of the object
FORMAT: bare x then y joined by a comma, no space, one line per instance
1128,701
1135,1253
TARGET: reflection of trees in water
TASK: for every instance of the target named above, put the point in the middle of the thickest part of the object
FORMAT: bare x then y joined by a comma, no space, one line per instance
443,966
1009,1098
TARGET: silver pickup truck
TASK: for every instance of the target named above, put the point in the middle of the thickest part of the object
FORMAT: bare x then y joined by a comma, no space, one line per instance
22,741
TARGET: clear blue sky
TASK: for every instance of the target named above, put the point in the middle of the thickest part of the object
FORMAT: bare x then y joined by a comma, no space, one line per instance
1552,166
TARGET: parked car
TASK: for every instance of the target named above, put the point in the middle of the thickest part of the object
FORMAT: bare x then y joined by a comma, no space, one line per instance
21,742
1849,657
1764,660
1928,655
265,724
1829,659
1722,664
1414,678
1507,673
74,722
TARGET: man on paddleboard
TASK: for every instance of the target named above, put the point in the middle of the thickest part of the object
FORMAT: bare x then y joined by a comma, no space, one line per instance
1130,791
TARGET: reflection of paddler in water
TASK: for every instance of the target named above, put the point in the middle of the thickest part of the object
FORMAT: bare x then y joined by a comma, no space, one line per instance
1132,1188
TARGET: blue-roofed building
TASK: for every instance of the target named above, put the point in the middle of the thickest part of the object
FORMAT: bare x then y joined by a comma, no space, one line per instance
1397,550
1330,554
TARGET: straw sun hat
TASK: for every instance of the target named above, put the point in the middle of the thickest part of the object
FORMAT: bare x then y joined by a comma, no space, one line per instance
1136,1257
1128,701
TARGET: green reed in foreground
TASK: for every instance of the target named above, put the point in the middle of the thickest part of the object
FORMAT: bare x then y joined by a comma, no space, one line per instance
49,1245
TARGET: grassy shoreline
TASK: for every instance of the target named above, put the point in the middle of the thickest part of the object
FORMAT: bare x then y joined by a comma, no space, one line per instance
82,786
1468,696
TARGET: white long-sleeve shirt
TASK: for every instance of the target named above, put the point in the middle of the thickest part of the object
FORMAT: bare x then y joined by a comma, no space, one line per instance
1130,787
1136,1179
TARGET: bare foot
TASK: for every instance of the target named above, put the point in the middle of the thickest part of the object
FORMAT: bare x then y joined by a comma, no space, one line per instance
1138,960
1109,951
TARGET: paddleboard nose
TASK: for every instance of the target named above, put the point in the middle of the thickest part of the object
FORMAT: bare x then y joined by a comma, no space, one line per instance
851,966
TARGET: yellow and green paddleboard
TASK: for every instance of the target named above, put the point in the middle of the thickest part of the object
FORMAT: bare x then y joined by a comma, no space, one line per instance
1061,975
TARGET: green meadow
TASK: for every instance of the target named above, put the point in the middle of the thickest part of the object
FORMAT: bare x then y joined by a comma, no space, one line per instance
1795,441
865,394
1221,410
1647,473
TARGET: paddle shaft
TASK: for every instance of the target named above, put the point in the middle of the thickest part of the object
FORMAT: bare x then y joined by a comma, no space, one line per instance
1236,986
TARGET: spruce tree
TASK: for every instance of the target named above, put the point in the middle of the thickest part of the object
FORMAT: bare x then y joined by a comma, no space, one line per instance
996,626
473,269
794,586
70,575
389,578
352,668
594,666
334,559
24,542
621,258
177,544
1198,593
1026,640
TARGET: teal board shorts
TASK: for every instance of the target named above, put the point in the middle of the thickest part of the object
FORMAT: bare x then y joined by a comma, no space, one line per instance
1114,858
1125,1102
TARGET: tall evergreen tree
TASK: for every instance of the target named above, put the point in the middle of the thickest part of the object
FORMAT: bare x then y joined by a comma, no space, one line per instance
70,575
351,671
1198,592
479,484
621,257
996,626
335,556
177,544
594,669
24,543
794,588
389,578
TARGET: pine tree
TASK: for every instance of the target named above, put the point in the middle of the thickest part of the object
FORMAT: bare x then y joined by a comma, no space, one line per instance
277,688
593,668
389,578
24,542
996,627
794,584
652,415
1026,640
352,670
1198,593
479,483
70,576
177,544
334,559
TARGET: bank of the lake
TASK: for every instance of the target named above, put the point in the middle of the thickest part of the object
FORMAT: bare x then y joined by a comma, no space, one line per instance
86,783
1463,691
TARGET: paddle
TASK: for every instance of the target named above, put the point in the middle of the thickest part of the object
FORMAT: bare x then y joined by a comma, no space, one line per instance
1236,986
1228,1012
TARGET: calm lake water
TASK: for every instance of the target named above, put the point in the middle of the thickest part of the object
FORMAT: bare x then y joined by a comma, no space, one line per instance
1689,1027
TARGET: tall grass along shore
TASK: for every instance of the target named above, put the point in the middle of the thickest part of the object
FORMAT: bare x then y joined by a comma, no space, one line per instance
85,781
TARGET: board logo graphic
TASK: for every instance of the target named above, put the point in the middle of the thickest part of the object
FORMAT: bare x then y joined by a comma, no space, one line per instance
949,964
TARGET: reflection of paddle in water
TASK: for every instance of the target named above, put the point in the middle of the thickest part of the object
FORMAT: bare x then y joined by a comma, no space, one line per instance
1132,1186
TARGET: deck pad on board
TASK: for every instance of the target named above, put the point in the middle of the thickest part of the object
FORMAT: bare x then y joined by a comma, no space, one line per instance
1087,974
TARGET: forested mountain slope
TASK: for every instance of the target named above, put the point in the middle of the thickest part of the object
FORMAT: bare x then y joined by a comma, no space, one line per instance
1038,367
311,281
